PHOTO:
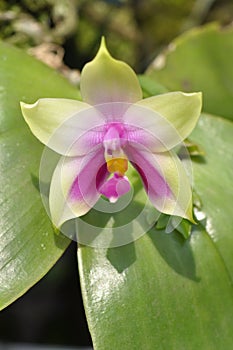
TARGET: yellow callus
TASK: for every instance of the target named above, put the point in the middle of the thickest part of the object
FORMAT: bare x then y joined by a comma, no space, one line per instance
117,165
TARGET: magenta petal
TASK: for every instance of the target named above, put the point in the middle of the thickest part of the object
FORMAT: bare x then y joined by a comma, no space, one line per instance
74,186
165,180
150,129
91,174
154,182
115,187
79,134
150,172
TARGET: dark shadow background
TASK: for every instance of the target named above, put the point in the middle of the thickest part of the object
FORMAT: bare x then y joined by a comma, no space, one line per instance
51,312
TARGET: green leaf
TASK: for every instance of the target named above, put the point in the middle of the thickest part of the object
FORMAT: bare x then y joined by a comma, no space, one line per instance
200,60
28,245
162,291
150,87
213,182
193,149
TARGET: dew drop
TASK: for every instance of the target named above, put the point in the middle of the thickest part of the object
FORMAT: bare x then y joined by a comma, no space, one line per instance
43,246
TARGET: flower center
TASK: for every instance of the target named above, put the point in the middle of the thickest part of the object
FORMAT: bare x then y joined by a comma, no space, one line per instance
116,160
117,164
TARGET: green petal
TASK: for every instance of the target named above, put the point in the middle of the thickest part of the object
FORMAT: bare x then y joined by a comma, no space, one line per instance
182,110
63,177
106,79
180,204
47,114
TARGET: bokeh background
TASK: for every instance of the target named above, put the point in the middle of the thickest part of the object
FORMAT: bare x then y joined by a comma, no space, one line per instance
65,34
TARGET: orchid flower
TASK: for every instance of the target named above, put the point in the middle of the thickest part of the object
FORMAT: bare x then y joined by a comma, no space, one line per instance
113,126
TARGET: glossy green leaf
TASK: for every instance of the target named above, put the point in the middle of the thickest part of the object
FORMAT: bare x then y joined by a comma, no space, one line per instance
200,60
213,182
150,87
162,291
28,244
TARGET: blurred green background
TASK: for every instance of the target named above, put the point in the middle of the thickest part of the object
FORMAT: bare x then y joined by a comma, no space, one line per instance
136,30
65,34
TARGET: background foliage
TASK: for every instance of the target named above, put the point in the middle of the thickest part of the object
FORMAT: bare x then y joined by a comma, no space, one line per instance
135,30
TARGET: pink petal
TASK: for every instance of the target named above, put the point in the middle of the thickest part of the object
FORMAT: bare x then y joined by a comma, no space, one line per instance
74,186
150,129
165,180
90,175
79,134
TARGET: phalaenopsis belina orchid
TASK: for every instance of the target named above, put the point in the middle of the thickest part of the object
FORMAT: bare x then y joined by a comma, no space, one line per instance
112,126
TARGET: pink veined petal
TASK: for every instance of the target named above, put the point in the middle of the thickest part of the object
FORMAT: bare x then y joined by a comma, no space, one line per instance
79,134
68,127
115,187
74,186
150,129
180,109
113,112
164,179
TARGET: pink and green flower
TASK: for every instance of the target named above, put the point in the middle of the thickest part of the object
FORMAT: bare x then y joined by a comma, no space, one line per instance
97,138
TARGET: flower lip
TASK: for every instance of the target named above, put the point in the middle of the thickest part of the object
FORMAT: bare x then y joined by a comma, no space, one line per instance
115,187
